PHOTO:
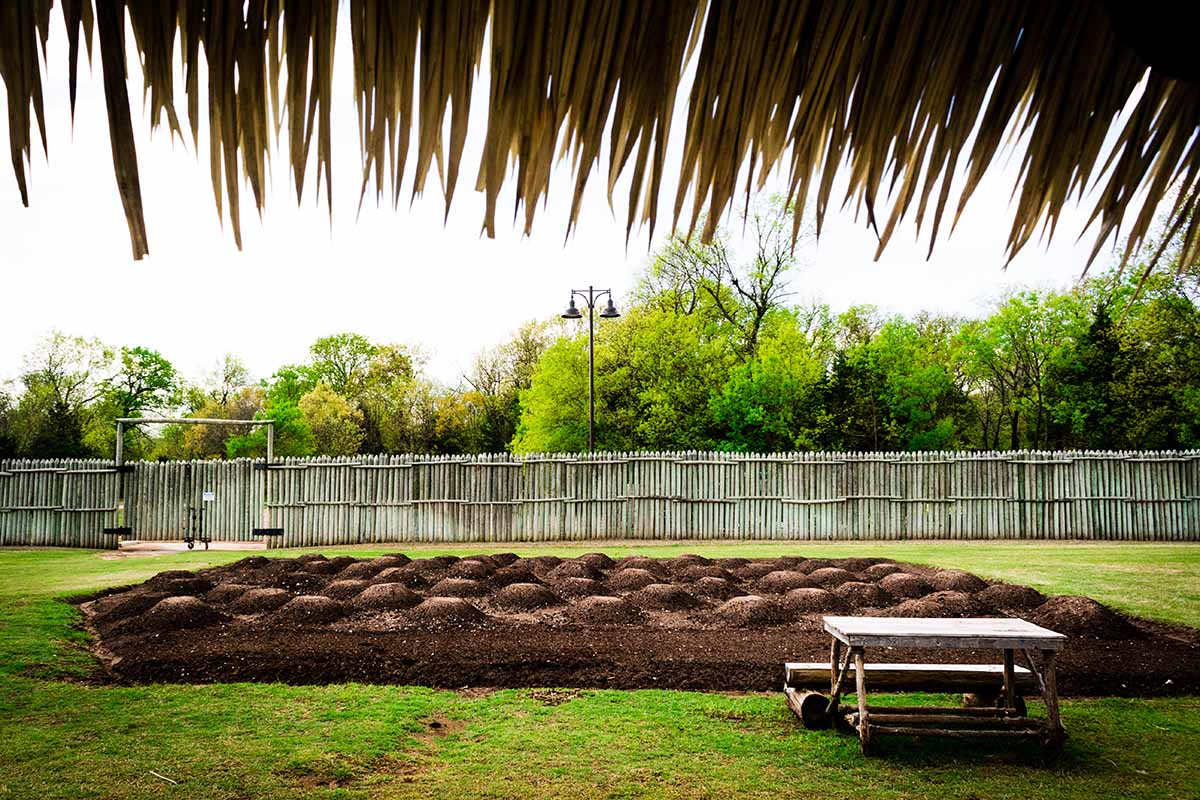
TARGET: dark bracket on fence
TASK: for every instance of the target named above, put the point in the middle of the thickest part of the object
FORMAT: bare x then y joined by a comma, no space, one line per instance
118,532
267,532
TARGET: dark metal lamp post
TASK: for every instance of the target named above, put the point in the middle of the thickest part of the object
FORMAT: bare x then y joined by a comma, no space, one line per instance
589,297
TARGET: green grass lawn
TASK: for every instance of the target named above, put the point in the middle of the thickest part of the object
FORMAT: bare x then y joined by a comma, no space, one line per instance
65,738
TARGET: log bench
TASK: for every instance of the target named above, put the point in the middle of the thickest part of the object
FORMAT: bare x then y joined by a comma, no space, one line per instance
981,679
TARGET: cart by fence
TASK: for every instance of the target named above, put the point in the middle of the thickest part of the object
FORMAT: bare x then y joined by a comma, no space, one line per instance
680,495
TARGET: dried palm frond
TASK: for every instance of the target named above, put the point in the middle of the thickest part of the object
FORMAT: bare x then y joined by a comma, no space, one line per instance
906,95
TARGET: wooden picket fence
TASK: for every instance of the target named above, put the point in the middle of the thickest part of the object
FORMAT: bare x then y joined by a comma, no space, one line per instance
679,495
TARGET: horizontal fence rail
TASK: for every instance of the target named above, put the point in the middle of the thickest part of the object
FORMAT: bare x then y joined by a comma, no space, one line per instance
678,495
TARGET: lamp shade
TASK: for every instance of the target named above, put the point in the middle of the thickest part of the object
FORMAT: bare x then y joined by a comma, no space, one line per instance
572,312
610,310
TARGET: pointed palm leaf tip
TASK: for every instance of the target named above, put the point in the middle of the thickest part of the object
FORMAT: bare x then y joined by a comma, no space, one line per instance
904,96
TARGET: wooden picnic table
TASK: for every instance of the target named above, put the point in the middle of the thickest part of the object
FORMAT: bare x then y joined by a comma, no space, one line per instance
854,635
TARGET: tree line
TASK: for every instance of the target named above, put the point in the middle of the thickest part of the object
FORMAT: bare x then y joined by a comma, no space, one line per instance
710,353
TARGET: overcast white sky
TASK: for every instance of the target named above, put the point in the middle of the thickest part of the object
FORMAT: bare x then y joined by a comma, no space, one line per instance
391,275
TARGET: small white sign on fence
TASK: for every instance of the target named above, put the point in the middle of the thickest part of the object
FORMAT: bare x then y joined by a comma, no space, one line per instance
210,496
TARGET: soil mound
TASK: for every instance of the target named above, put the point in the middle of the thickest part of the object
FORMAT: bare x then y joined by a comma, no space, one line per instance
504,559
810,565
488,562
399,558
320,566
257,601
716,588
297,582
956,580
539,565
679,563
663,597
787,563
830,577
782,581
224,593
651,565
458,587
250,562
855,564
631,579
755,570
1082,617
693,574
386,597
750,611
955,604
361,570
131,605
513,574
905,585
344,589
916,607
186,586
162,578
428,567
1010,596
405,575
601,610
858,594
443,561
174,613
525,597
597,560
579,587
732,563
309,557
310,609
470,570
575,569
447,612
342,561
877,571
811,601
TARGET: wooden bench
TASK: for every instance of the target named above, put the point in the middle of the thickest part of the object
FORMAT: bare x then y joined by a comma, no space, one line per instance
985,679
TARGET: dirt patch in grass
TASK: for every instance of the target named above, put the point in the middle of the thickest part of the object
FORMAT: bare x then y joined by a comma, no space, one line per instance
544,621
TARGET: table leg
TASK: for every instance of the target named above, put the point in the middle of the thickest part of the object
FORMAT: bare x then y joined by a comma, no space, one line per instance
860,684
1010,699
1050,695
835,689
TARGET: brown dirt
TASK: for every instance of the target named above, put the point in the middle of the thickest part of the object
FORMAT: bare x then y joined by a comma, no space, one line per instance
750,611
663,597
458,587
386,597
830,577
471,570
171,614
717,588
781,581
344,589
258,601
525,597
1008,596
956,580
813,600
905,585
601,610
579,587
310,608
1082,616
675,625
631,579
858,594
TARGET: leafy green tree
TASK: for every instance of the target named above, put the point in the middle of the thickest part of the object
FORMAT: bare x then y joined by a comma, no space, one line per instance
63,376
336,424
342,361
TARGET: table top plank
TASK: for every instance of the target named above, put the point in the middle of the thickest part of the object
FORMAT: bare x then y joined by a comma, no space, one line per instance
994,633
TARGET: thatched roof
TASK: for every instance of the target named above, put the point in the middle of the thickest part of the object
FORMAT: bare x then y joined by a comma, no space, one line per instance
906,93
